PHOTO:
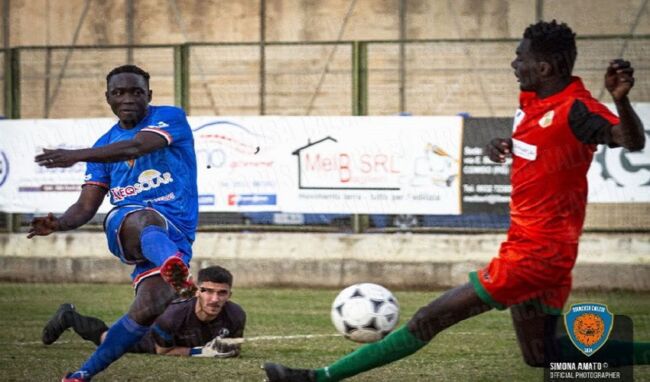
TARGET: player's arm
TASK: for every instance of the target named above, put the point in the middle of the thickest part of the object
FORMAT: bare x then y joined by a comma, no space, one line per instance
619,80
177,350
143,143
162,332
213,349
217,348
76,215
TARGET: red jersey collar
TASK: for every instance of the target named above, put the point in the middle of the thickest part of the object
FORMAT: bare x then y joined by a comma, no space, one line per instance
527,98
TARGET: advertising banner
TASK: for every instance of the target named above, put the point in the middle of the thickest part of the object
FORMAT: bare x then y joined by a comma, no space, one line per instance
392,165
617,175
486,184
377,165
291,164
26,187
329,164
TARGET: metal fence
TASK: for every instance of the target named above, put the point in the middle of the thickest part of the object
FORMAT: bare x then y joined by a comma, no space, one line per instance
423,77
428,77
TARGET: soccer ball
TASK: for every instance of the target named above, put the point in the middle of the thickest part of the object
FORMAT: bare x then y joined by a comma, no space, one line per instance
365,312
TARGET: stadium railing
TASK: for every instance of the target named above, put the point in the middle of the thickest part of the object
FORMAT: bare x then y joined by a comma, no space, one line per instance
423,77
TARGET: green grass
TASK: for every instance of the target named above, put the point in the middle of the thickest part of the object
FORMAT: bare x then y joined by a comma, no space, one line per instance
480,349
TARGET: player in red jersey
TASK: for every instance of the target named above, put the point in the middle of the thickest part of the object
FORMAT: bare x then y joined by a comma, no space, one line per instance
556,130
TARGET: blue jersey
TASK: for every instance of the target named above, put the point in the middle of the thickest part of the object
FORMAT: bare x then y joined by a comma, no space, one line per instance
164,179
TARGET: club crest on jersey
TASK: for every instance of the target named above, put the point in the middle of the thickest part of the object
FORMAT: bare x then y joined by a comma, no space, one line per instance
159,125
547,119
147,180
588,326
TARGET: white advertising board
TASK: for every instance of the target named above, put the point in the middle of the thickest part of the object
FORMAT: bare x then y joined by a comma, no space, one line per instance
619,176
291,164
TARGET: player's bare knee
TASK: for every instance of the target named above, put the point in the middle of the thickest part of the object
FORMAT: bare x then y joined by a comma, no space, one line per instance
131,229
138,220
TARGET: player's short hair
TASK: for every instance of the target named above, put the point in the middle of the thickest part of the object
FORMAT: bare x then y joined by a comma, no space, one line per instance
215,274
128,69
554,43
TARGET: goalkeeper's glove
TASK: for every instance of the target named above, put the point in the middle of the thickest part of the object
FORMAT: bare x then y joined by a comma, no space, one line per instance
216,349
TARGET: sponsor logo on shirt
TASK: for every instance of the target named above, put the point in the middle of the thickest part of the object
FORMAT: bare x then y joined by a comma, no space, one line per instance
147,180
159,125
164,198
547,119
88,177
524,150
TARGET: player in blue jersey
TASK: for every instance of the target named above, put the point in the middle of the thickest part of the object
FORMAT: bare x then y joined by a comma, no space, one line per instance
147,165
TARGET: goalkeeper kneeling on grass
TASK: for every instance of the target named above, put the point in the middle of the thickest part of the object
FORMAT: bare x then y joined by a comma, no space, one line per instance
193,327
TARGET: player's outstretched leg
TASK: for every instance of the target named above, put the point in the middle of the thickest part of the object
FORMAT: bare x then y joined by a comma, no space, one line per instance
88,328
157,247
452,307
152,297
121,336
398,344
58,323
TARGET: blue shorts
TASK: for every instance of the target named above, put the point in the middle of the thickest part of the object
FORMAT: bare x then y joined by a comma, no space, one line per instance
143,268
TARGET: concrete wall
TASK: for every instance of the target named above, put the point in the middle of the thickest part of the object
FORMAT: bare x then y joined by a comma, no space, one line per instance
53,22
444,78
620,261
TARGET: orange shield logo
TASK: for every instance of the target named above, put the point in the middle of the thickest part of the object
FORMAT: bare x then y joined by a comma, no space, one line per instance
588,326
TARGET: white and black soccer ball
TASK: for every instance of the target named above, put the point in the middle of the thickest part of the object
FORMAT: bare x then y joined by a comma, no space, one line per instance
365,312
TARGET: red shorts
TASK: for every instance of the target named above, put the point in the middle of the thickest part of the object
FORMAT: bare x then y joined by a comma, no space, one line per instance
525,270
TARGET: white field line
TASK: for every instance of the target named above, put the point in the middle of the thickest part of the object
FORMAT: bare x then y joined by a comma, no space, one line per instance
276,338
227,340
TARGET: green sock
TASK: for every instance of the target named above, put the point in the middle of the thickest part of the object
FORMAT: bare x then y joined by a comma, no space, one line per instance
396,345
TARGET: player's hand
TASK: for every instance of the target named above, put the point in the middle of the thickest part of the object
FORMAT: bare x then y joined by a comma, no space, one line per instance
216,348
57,158
619,78
498,149
43,226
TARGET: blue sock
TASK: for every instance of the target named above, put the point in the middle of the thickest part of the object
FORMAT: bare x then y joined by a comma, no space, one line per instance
156,244
120,337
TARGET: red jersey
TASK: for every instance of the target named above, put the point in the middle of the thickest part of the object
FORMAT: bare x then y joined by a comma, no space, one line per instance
553,141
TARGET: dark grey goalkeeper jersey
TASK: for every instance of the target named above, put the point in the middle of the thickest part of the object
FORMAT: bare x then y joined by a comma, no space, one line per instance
178,326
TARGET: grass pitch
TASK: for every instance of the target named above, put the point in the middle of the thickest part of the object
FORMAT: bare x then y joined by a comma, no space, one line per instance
480,349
